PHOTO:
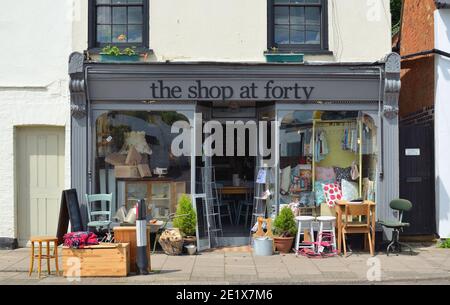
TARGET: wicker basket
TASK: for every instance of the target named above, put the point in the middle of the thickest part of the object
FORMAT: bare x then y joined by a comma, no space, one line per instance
172,242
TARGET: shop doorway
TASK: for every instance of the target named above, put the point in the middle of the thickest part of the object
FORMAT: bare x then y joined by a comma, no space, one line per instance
39,165
417,177
232,172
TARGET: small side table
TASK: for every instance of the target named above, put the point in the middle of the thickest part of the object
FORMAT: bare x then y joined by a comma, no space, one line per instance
44,241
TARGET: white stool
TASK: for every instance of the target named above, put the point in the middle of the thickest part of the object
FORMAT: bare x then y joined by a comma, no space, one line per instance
305,222
331,221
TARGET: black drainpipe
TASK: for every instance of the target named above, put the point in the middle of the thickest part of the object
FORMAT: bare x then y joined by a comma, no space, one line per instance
428,52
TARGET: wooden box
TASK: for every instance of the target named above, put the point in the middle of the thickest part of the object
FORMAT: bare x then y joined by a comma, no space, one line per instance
128,235
126,171
103,260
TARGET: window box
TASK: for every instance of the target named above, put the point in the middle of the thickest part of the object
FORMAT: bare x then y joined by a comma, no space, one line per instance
119,58
285,57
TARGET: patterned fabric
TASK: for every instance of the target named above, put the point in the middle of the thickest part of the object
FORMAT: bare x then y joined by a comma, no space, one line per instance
79,240
332,193
325,174
318,190
350,190
343,174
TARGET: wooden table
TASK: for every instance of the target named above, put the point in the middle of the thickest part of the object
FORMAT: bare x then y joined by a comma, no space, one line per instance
235,190
340,210
128,235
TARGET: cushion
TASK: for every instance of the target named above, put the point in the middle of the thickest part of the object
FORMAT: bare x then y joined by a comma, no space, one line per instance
285,179
325,173
318,190
343,173
332,193
350,190
306,199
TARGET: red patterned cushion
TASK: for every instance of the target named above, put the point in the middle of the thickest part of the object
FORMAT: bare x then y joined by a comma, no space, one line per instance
333,193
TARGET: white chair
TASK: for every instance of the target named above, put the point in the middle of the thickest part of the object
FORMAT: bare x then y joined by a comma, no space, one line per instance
304,222
327,224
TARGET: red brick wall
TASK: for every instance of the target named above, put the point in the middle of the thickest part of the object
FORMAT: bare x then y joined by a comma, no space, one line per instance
417,35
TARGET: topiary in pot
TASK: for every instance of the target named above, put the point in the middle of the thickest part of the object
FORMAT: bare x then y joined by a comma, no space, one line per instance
285,228
186,219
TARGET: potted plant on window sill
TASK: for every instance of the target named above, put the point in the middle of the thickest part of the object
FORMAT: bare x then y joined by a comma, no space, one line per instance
273,55
186,221
285,229
114,54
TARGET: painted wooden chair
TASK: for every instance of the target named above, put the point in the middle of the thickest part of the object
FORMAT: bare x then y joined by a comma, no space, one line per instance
99,219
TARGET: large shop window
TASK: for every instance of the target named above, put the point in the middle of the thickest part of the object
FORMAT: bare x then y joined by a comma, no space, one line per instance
134,161
326,156
118,22
298,25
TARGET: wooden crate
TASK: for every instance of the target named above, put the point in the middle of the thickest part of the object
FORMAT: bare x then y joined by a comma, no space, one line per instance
103,260
128,235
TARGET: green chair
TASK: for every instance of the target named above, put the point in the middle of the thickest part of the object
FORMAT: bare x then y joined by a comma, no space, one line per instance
400,205
99,219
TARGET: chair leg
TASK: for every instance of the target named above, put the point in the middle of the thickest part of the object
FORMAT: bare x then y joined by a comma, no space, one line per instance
238,214
297,239
407,246
31,259
55,253
48,257
370,243
246,215
345,243
333,231
40,259
229,213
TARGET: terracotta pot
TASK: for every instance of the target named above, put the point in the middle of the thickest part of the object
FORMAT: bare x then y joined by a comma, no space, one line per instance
283,244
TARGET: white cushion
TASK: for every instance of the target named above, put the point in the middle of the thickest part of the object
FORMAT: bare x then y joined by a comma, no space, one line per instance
350,190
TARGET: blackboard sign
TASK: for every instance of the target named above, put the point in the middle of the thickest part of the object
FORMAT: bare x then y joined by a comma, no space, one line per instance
69,210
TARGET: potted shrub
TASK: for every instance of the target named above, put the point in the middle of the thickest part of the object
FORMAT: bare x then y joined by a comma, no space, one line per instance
114,54
186,219
285,229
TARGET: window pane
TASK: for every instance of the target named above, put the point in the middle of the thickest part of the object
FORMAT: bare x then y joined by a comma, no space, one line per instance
297,15
103,15
119,15
119,33
281,1
313,1
134,15
313,35
297,34
103,33
135,33
119,1
282,34
103,1
312,15
281,15
135,1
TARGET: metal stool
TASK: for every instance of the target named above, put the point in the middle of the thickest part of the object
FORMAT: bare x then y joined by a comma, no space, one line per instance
331,221
46,240
307,223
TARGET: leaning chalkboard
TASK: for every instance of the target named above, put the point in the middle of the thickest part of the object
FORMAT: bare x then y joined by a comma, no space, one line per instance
69,210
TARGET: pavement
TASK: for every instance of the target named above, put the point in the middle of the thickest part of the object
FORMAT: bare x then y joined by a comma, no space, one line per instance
429,265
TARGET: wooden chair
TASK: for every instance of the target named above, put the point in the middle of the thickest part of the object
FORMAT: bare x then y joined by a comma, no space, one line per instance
44,241
99,218
363,227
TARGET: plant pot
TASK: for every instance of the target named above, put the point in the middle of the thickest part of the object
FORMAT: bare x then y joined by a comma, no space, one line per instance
284,57
283,244
119,58
191,249
190,240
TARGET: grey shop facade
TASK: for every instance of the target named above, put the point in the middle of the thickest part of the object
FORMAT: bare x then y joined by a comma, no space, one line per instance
323,118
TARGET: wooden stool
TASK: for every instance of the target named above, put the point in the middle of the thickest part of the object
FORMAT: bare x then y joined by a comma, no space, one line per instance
46,240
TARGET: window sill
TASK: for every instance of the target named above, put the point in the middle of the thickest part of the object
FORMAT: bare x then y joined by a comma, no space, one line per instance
305,52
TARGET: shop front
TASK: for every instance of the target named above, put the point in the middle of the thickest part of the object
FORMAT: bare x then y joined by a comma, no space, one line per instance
155,131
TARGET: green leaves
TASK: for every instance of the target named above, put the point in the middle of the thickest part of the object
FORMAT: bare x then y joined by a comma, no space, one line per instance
285,225
188,223
115,51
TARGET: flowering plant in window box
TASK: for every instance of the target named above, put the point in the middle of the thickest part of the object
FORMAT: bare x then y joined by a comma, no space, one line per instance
115,54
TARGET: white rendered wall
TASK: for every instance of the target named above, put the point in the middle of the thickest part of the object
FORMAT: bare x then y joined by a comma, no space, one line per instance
236,30
442,122
33,84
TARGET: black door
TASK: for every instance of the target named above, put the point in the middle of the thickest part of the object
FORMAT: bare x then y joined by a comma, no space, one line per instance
417,177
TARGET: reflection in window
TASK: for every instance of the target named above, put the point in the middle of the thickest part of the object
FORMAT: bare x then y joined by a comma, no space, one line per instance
134,160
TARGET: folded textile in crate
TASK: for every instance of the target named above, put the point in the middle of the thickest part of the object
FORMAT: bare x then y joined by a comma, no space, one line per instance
79,240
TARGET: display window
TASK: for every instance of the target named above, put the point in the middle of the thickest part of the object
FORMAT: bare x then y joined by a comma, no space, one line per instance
133,160
326,156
